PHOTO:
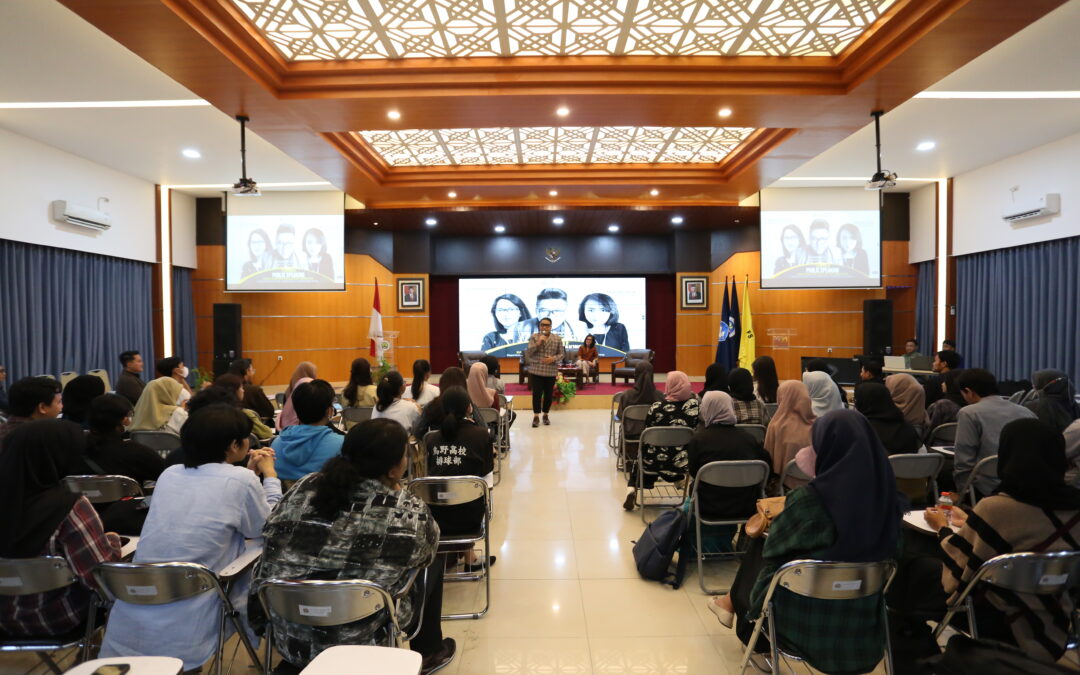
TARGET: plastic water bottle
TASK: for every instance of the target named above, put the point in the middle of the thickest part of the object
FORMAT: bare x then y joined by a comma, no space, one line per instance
945,505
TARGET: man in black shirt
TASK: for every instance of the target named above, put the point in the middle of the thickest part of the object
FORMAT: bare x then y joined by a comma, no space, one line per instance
130,383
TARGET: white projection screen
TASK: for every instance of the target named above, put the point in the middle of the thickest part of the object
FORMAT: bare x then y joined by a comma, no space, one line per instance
820,238
498,315
285,241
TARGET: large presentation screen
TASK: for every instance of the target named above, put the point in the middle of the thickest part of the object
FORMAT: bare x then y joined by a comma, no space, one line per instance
834,247
293,241
498,315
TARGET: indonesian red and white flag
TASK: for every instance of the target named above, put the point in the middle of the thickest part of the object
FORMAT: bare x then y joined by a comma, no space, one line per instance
375,329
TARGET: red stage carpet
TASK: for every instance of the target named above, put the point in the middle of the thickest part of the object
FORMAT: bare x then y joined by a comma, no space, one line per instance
602,389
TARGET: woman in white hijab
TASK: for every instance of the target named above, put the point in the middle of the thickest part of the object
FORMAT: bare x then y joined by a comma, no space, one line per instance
824,394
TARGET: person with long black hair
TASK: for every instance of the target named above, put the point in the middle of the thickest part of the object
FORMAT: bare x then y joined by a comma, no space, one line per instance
353,520
432,415
390,404
420,390
360,391
766,381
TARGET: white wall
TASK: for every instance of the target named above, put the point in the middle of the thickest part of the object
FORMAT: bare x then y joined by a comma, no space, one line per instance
818,198
183,230
922,206
33,174
980,196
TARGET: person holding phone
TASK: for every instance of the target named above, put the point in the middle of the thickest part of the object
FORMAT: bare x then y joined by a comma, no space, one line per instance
543,356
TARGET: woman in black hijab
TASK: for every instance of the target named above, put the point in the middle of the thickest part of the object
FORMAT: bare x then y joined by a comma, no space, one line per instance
748,409
41,517
643,393
77,396
875,402
716,379
1055,402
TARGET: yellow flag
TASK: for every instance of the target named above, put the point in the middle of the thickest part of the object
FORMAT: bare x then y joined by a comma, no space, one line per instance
747,351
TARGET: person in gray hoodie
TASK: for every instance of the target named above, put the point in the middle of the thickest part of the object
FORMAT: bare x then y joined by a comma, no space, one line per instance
304,448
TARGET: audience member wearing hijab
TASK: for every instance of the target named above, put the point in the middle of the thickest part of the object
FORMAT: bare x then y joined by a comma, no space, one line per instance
157,409
78,393
305,372
789,429
1033,509
1072,453
849,512
42,517
748,409
943,410
895,433
824,393
716,378
819,365
643,393
910,397
679,408
1054,403
481,395
718,440
766,381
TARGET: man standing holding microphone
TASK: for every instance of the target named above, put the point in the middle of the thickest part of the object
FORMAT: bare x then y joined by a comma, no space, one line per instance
543,356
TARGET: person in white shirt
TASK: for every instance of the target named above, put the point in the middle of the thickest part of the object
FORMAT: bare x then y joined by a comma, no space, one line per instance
390,404
420,390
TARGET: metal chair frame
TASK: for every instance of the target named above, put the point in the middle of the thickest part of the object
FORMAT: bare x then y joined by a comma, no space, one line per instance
163,442
167,582
636,413
987,466
491,417
755,430
504,423
822,580
103,489
926,465
330,603
1055,573
350,417
452,491
613,423
724,474
943,434
669,437
30,576
791,470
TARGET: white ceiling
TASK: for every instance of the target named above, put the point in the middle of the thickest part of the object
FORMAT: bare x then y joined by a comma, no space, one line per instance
971,133
51,54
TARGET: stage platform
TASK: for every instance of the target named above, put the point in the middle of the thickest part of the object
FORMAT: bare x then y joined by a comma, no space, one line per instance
591,397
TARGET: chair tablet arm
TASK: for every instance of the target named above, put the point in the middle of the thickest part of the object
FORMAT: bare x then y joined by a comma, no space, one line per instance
243,562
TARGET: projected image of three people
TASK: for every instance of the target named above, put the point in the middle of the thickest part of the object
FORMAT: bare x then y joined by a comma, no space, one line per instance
262,255
848,250
514,323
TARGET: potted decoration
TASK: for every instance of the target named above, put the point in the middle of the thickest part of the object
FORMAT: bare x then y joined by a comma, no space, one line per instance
564,390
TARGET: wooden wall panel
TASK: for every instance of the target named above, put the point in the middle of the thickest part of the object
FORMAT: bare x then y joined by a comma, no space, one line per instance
820,320
328,328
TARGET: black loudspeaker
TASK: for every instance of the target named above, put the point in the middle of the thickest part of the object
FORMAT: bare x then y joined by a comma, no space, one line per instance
877,326
226,335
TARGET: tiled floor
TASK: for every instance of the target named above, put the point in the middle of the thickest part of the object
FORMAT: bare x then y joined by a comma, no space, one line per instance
566,598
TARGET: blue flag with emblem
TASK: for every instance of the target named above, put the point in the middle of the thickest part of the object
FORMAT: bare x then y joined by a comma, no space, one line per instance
723,339
736,329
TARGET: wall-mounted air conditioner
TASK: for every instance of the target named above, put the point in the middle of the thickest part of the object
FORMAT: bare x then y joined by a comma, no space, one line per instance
83,216
1045,205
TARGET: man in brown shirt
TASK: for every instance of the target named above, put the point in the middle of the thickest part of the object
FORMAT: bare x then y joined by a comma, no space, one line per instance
543,356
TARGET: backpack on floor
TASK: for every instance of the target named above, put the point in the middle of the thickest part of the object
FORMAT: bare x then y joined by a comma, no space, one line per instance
658,544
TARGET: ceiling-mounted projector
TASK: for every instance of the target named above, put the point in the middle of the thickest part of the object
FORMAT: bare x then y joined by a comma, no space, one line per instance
883,178
245,187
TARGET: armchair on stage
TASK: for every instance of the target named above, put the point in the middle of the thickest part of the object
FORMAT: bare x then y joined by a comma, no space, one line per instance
625,366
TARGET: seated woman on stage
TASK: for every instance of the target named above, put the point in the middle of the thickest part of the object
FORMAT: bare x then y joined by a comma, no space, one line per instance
849,512
587,358
42,517
353,520
680,408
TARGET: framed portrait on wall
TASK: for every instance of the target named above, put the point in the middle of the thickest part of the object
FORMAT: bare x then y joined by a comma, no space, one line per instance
410,295
695,292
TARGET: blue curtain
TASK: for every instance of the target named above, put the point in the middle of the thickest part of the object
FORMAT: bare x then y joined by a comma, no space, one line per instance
64,310
1018,309
184,344
925,292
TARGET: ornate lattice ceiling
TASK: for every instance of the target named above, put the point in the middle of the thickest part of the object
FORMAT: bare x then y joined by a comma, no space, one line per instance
324,30
555,145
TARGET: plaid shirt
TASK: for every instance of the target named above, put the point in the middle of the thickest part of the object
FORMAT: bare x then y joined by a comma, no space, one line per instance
81,540
749,412
535,352
821,631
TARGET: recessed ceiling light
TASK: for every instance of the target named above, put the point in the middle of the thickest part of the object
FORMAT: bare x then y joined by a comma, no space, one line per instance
926,145
376,223
431,221
724,112
451,194
676,220
654,192
553,193
191,153
558,220
613,228
500,229
393,114
562,111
